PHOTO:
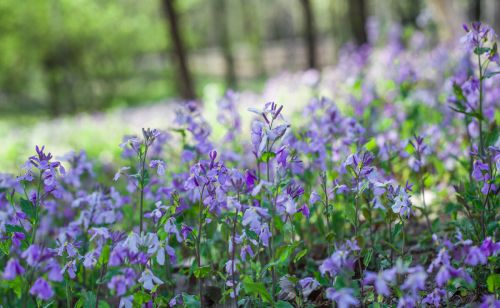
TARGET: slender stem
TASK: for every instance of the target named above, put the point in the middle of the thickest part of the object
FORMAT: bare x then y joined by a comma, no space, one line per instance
426,213
143,179
404,237
271,224
356,227
198,246
390,240
481,145
37,205
327,208
235,220
68,299
98,288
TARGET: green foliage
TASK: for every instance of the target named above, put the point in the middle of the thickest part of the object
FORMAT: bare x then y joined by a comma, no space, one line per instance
75,55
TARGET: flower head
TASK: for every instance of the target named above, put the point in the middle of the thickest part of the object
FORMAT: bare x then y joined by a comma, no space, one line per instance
42,289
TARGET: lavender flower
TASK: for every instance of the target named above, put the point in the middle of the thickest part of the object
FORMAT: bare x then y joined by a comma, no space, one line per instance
148,280
343,297
477,35
12,269
381,280
42,289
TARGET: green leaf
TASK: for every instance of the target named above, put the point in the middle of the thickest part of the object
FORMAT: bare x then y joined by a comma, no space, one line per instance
202,272
28,208
5,247
13,228
457,90
367,257
17,285
87,300
141,297
190,301
300,255
283,304
350,212
481,50
493,282
491,74
371,145
103,304
267,156
397,230
256,289
104,257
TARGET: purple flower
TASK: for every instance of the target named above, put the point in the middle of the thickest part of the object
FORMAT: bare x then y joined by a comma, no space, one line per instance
343,297
402,203
42,289
479,170
380,280
415,280
360,164
121,283
314,197
12,269
185,231
477,35
304,209
149,280
489,301
489,248
250,179
475,256
176,300
407,302
308,285
447,272
32,254
54,271
339,261
117,256
435,297
17,237
246,250
264,235
159,165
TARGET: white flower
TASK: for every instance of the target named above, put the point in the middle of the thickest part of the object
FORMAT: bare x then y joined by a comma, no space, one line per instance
120,172
126,302
148,280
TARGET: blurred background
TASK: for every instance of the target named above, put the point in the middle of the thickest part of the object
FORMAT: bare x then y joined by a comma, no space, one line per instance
66,65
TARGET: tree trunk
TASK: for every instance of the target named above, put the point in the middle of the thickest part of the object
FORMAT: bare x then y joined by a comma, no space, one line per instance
184,76
475,10
309,33
496,17
357,18
223,39
254,36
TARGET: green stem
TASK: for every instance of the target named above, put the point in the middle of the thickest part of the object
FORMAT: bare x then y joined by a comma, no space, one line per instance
143,179
481,145
37,205
198,246
68,299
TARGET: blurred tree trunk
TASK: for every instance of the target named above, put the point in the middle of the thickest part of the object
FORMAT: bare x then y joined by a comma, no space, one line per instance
408,12
357,18
475,10
185,79
496,17
338,20
310,33
254,36
222,36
